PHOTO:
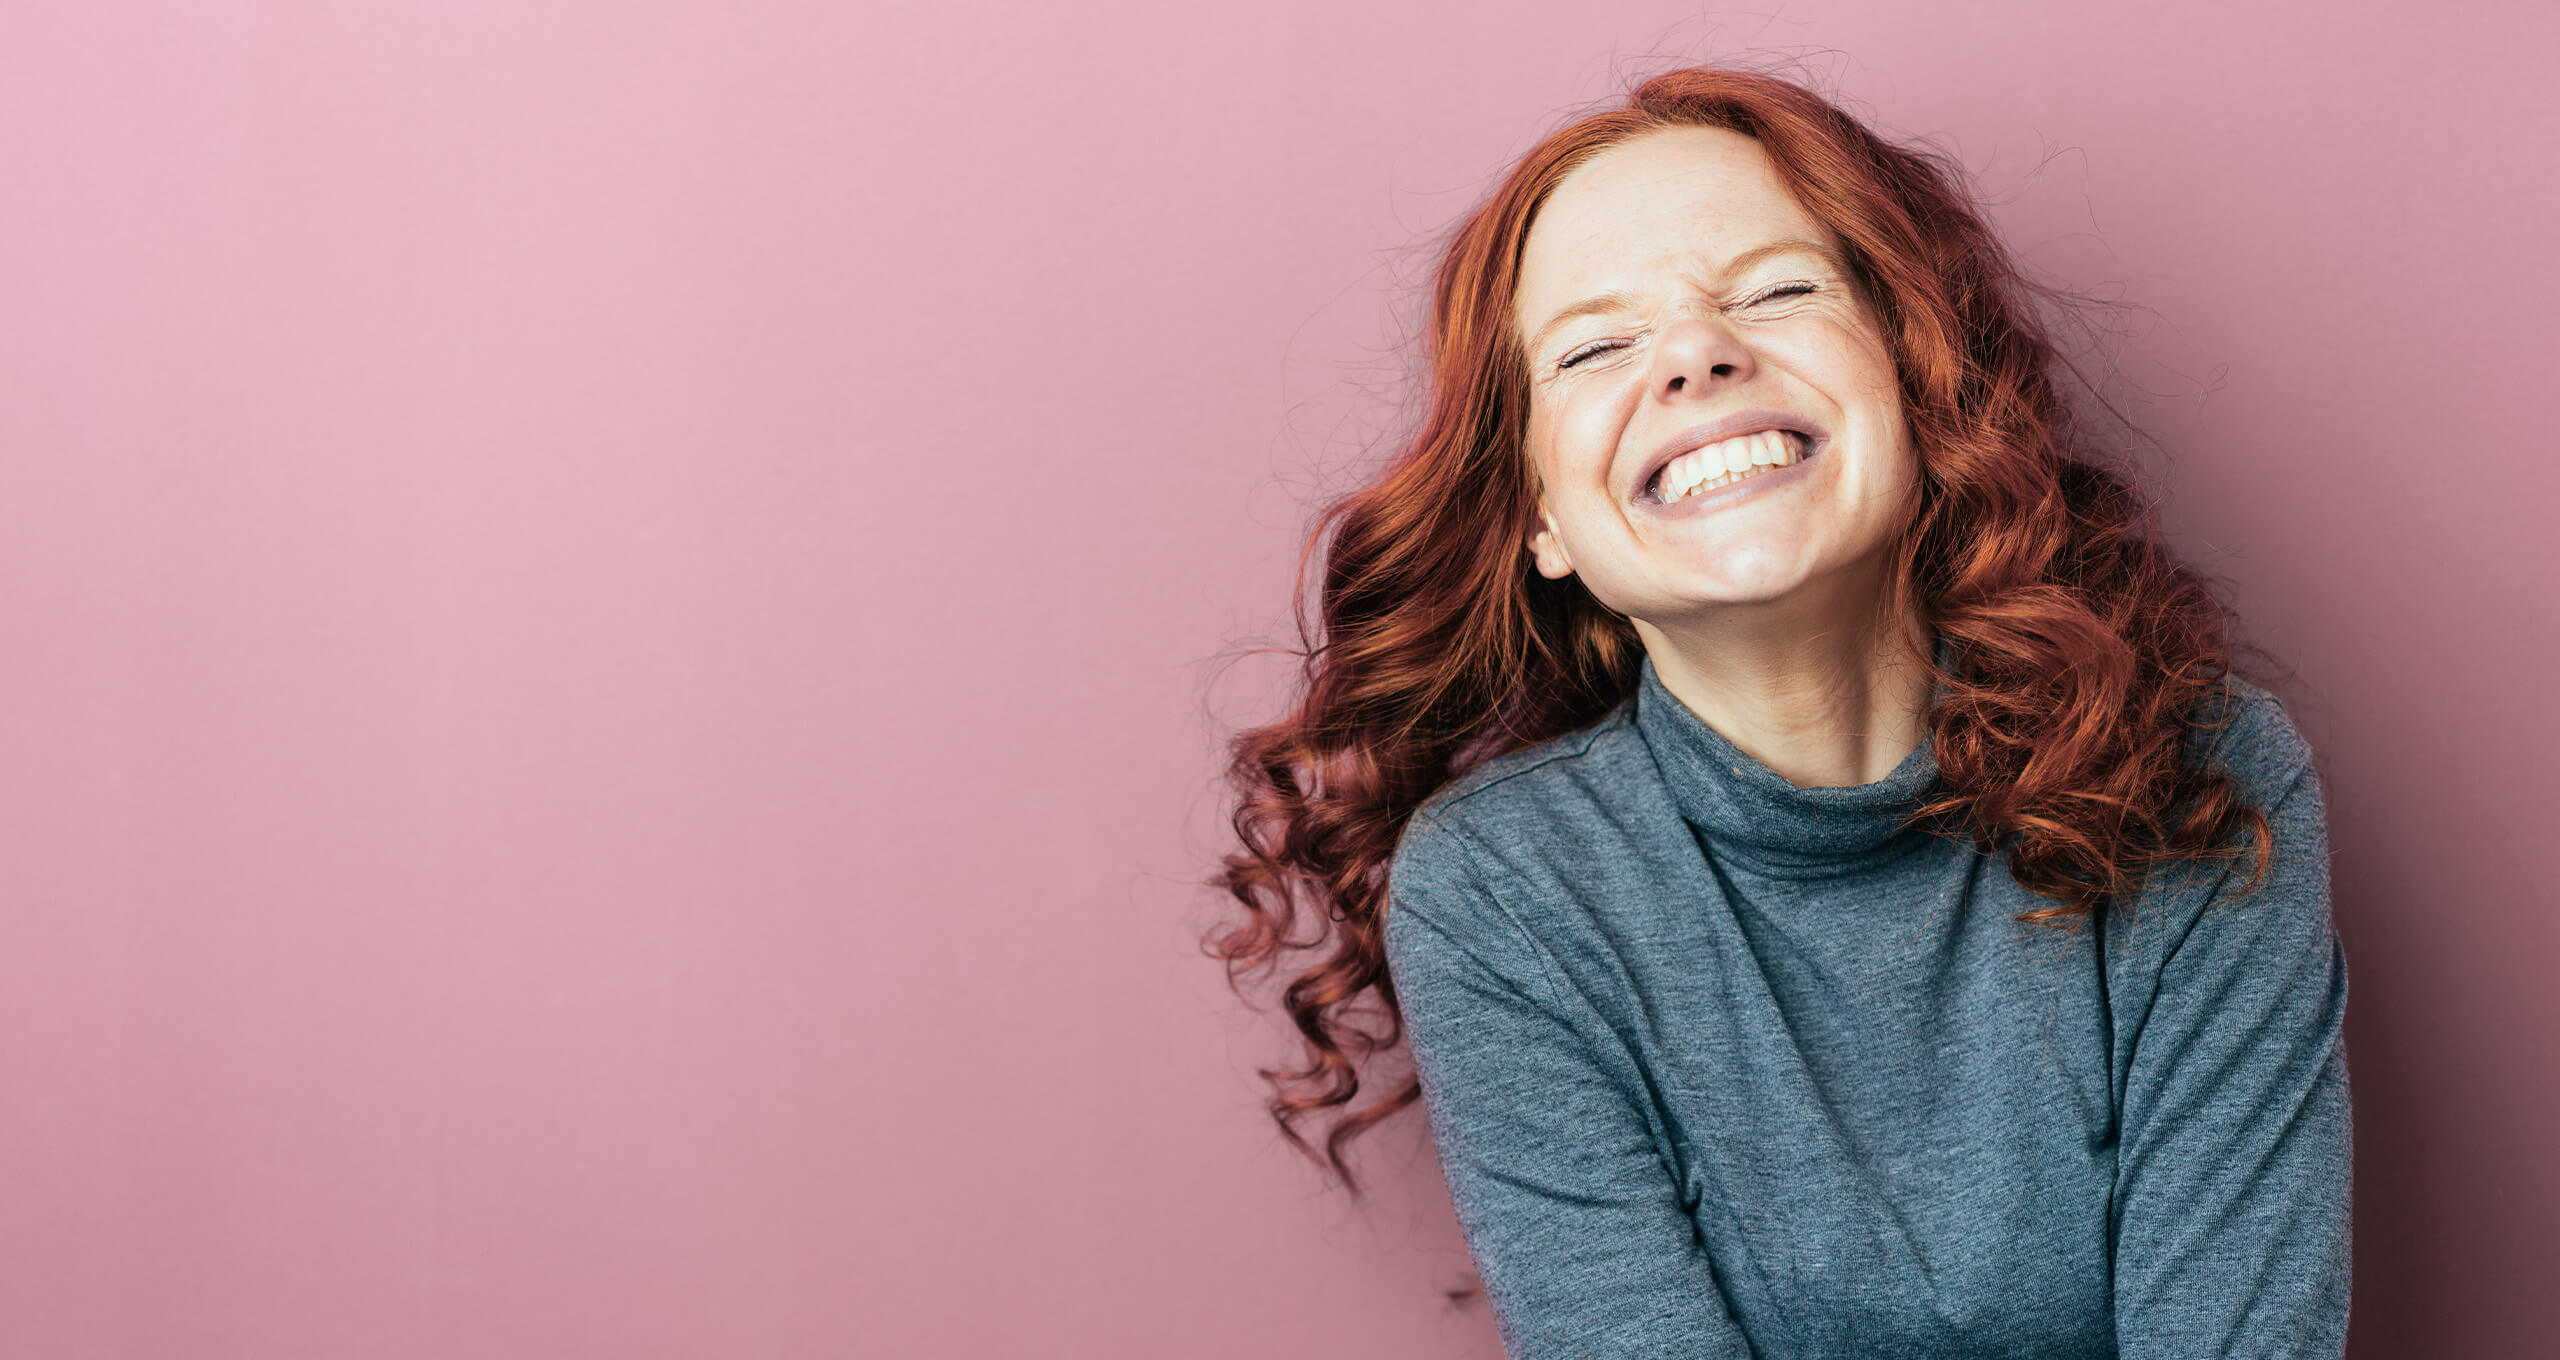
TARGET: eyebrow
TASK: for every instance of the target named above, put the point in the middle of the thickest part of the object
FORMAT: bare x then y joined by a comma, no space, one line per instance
1619,300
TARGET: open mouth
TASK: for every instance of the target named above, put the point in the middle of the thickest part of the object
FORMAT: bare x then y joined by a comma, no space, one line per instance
1726,462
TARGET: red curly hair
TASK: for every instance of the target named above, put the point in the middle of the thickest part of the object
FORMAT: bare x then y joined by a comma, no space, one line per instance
2083,651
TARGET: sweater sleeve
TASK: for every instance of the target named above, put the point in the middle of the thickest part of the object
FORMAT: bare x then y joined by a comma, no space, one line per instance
2232,1182
1570,1210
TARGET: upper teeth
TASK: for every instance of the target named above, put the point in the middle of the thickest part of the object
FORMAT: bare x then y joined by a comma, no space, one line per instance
1727,461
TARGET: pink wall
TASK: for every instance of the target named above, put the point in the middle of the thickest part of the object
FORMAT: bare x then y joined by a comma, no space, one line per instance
610,608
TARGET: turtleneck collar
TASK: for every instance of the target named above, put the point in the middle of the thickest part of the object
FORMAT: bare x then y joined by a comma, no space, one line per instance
1751,814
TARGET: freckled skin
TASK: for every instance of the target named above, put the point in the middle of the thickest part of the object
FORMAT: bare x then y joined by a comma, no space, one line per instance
1660,216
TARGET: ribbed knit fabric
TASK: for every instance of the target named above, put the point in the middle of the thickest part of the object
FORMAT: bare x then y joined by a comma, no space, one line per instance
1721,1067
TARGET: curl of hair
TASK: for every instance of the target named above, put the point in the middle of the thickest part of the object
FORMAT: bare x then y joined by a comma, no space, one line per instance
2083,653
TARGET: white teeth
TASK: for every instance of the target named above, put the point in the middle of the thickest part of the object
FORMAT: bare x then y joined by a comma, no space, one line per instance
1724,463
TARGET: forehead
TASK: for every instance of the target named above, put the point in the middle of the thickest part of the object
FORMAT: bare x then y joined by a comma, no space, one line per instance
1675,201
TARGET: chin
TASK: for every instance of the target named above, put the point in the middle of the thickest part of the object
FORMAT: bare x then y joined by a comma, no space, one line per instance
1692,600
1706,590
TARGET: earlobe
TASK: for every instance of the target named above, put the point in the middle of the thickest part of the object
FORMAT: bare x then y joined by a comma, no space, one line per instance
1548,550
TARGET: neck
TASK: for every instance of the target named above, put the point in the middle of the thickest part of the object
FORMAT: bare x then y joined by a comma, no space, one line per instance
1822,692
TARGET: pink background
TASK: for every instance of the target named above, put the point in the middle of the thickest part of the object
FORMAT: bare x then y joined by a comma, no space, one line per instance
617,613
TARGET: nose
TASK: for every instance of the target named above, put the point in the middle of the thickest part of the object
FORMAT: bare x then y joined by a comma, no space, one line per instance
1699,354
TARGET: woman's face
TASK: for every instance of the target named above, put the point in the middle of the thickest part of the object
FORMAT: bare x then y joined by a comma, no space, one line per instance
1672,294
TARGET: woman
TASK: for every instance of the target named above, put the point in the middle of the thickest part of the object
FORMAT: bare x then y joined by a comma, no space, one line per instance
1840,898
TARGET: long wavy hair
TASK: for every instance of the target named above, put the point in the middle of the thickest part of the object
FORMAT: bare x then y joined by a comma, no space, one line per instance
2084,652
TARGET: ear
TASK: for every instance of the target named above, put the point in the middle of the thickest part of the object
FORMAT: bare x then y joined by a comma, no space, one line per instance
1547,547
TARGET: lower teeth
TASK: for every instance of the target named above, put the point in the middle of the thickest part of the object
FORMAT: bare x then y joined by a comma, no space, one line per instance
1728,480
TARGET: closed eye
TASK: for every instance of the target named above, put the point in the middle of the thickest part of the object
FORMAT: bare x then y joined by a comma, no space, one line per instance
1784,290
1595,348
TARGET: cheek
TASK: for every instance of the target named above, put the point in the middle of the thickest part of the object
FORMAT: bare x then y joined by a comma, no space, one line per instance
1583,430
1861,353
1550,478
1555,454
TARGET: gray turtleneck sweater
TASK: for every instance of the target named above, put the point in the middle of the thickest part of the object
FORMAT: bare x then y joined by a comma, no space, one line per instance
1722,1067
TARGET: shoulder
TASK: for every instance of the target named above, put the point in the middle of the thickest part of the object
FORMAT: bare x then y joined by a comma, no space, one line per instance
2244,731
1455,883
1527,797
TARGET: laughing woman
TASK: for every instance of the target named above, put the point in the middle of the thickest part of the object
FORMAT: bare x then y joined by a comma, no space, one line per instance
1840,898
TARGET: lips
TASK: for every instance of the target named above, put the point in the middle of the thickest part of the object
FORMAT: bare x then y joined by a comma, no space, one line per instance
1728,427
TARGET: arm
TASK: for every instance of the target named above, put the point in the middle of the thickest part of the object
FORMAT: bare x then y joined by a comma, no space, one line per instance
2232,1177
1570,1211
